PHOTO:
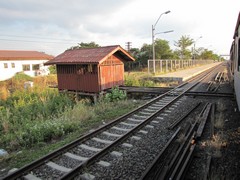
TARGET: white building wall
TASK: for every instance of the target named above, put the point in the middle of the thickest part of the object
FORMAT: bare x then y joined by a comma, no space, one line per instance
6,73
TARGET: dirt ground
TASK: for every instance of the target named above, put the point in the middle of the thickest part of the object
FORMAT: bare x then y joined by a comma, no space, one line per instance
226,160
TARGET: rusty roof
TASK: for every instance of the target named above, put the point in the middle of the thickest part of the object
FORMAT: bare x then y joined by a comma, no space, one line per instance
90,55
23,55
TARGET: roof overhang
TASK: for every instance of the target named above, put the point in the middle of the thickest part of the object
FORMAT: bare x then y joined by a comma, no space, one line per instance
121,53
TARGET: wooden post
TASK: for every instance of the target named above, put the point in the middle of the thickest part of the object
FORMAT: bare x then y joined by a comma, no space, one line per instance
95,98
160,65
166,66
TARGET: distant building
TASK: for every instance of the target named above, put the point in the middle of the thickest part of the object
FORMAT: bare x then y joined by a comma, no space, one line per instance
29,62
91,70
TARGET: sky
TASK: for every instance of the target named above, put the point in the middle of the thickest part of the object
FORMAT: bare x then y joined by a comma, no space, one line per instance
52,26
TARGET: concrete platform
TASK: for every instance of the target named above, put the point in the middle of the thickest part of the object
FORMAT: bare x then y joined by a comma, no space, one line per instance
185,74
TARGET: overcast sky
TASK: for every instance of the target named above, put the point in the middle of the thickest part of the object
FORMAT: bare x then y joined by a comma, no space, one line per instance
52,26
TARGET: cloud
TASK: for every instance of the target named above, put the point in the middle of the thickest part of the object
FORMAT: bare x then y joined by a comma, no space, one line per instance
110,22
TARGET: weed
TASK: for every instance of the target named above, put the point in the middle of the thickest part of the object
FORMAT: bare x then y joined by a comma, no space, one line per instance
4,93
219,121
115,95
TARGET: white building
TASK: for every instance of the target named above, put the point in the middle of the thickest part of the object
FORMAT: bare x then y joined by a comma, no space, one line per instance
29,62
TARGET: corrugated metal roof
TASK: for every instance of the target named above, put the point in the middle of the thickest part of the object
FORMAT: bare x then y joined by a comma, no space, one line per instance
23,55
90,55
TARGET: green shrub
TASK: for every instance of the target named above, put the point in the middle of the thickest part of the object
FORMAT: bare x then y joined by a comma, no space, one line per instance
53,69
21,76
35,116
131,80
115,95
26,108
147,83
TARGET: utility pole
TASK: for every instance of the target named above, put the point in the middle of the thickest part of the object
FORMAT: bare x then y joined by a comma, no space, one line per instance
128,46
194,48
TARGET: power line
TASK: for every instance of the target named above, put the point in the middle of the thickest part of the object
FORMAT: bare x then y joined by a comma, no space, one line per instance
35,41
35,37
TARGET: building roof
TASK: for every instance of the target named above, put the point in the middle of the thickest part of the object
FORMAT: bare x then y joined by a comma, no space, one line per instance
23,55
237,26
90,55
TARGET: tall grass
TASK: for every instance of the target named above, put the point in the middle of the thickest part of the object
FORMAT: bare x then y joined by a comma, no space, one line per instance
145,80
4,93
30,129
139,79
27,113
40,114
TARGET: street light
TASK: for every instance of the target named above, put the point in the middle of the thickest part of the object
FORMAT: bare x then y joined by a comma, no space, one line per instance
153,34
194,51
164,32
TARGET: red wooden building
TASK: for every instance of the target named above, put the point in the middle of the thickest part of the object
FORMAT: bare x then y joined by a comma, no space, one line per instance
91,69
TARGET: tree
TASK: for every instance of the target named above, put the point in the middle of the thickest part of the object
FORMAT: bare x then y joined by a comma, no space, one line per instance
208,54
85,45
141,55
88,45
162,49
145,53
134,52
183,43
52,69
198,52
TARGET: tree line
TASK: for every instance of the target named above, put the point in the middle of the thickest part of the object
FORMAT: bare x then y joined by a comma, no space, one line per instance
184,50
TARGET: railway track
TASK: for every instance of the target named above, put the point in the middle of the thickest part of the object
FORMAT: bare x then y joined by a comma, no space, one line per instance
174,158
85,155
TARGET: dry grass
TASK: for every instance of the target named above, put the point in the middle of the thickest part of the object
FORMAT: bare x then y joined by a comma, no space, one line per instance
221,106
4,93
219,121
45,81
220,117
41,82
214,145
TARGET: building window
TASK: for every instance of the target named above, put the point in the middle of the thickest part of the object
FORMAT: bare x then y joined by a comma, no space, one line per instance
5,65
13,65
26,67
35,67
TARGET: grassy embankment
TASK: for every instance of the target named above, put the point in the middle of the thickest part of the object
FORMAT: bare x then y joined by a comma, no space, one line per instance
37,120
145,80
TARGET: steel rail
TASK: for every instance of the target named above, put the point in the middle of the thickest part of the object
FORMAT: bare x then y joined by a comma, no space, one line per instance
185,157
168,157
152,171
91,160
60,151
207,170
20,172
177,167
78,169
175,123
178,155
210,94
